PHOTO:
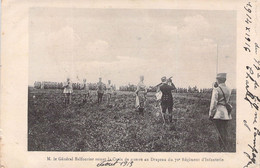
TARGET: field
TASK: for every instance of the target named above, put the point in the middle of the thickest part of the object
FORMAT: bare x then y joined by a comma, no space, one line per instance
93,127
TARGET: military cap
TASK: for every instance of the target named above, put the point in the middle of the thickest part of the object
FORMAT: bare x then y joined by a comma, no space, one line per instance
222,75
163,79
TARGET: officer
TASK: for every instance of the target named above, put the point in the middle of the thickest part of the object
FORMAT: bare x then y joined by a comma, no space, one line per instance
218,112
166,88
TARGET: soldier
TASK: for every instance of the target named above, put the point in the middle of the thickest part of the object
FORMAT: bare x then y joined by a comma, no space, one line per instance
218,112
85,91
109,90
100,90
166,100
67,91
141,92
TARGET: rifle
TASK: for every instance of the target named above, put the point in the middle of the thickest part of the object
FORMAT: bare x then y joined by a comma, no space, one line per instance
162,83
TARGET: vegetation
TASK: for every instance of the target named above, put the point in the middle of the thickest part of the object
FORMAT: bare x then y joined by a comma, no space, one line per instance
118,127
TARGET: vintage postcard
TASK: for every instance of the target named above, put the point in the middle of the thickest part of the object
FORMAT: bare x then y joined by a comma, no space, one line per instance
130,84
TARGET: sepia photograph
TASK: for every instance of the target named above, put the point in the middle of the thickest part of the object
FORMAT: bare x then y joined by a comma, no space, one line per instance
131,80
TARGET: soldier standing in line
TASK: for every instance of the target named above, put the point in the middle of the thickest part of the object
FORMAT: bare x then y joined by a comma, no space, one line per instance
67,91
141,93
85,88
166,100
100,90
218,112
109,90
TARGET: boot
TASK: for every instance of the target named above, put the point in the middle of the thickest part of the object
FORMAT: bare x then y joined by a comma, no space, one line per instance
164,119
170,118
141,111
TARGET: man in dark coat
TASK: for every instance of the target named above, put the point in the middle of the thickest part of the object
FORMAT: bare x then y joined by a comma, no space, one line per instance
167,100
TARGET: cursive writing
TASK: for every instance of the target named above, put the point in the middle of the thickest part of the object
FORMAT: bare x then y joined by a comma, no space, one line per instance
253,149
115,162
251,84
246,125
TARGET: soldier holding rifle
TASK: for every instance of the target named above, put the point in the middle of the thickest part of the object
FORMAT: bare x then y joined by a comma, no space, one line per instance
166,88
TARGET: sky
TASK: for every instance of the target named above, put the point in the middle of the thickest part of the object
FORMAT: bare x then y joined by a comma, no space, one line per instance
122,44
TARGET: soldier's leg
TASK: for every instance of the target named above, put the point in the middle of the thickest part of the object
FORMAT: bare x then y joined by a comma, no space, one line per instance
163,108
65,98
219,126
101,97
88,97
69,98
225,132
84,98
170,106
108,98
98,97
141,107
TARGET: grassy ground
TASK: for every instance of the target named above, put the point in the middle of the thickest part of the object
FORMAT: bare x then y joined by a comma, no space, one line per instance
93,127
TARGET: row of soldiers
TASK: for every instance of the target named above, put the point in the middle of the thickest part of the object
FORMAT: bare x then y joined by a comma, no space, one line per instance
60,85
100,87
130,87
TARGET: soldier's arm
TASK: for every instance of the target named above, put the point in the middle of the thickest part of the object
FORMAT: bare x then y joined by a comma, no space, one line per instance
137,89
145,89
213,103
173,86
158,89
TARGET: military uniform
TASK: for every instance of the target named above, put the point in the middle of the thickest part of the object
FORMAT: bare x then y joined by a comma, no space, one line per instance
140,96
85,90
68,89
100,91
218,111
167,99
109,89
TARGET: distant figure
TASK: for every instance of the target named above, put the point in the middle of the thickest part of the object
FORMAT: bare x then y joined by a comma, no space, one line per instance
218,112
166,88
100,90
68,91
141,93
42,85
85,88
109,91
